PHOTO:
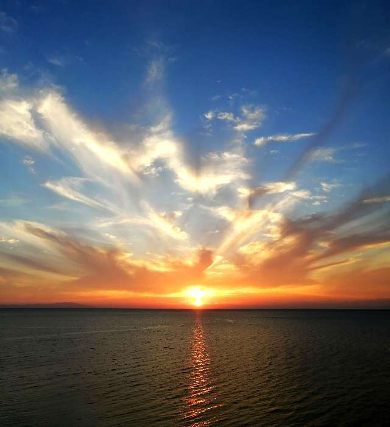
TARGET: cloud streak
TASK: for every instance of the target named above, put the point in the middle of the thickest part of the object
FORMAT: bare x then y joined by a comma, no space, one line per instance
285,137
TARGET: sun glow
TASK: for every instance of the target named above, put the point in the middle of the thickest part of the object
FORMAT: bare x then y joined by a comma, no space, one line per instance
197,296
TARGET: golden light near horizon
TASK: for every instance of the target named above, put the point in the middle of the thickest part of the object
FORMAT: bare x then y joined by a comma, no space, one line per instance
197,295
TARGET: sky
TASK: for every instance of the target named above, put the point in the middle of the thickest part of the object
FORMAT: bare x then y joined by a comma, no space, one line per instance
166,154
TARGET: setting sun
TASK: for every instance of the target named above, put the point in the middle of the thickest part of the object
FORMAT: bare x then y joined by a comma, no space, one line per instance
197,295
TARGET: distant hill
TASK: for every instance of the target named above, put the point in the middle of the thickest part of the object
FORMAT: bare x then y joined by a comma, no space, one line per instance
53,305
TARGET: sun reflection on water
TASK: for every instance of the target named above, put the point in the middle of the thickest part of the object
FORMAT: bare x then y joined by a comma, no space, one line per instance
200,398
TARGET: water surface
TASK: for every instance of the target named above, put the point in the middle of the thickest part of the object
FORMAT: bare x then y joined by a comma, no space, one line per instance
194,368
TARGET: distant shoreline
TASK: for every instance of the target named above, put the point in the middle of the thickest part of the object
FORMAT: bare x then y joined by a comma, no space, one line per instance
76,306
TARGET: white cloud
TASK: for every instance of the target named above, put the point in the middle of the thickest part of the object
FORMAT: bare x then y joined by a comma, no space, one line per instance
71,189
225,116
164,223
327,187
267,188
305,194
279,187
209,115
245,224
17,123
218,169
251,118
260,142
95,153
152,171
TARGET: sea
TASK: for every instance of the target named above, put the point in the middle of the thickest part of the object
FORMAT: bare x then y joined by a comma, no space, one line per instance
108,367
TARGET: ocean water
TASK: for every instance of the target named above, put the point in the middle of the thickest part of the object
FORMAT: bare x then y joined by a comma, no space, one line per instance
194,368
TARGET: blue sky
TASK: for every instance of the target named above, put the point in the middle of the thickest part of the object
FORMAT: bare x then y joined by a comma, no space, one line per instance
159,135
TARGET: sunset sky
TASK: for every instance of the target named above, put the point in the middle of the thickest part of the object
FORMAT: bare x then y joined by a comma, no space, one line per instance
156,152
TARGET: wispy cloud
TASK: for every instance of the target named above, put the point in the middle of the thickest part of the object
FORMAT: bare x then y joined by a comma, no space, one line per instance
8,82
17,123
71,189
327,187
155,70
29,162
285,137
324,155
383,199
13,200
7,23
56,60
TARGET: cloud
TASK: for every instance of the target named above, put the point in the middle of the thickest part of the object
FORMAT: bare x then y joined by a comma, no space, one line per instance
102,268
251,117
13,200
70,188
155,71
215,169
7,23
303,244
164,222
383,199
17,123
268,187
8,82
260,142
299,249
354,242
10,241
310,248
328,187
87,147
209,115
245,223
56,60
191,225
305,194
324,155
46,121
29,162
225,116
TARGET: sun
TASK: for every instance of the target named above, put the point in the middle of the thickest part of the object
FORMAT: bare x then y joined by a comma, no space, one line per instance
197,295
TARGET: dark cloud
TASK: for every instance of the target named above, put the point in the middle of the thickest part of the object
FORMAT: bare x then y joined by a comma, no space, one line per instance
304,243
36,264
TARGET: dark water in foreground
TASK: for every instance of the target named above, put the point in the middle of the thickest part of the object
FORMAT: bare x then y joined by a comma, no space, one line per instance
188,368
